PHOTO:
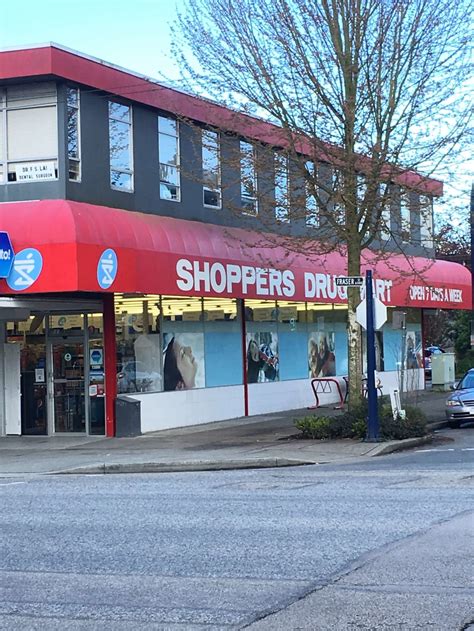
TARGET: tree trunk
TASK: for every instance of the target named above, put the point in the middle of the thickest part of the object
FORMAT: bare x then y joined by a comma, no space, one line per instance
354,337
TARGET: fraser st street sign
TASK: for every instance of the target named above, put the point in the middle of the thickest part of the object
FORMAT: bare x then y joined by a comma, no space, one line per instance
350,281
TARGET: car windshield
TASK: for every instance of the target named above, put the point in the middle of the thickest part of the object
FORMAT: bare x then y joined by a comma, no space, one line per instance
467,381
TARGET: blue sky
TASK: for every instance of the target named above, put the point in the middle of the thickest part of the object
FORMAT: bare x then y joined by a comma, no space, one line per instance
133,34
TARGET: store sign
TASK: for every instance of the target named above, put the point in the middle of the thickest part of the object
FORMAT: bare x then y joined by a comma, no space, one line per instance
435,294
227,278
96,357
27,266
218,278
35,171
107,268
7,255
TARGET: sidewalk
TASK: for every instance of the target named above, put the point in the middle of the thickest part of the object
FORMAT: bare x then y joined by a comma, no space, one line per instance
258,441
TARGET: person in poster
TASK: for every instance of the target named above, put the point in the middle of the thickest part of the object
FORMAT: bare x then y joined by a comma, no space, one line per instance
413,352
180,366
262,357
321,358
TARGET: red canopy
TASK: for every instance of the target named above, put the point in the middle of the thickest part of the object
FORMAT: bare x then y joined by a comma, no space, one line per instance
163,255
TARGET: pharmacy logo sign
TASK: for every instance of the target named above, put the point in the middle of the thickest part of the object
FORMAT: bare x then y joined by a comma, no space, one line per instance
27,266
107,268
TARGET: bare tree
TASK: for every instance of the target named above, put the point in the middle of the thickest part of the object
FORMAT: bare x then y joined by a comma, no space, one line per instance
375,88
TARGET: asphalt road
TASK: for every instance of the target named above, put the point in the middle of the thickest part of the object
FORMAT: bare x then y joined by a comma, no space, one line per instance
384,543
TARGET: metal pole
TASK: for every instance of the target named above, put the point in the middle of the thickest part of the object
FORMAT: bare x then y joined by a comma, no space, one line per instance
373,420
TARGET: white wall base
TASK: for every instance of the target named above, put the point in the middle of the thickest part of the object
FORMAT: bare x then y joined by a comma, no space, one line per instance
165,410
286,395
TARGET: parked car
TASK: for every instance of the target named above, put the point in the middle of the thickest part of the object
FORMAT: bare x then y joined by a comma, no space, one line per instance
460,403
134,377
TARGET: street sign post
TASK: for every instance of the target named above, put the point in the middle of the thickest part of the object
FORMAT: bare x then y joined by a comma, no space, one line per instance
6,255
373,420
349,281
380,313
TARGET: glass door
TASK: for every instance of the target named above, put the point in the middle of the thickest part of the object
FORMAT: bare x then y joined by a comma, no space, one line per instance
96,383
68,386
33,389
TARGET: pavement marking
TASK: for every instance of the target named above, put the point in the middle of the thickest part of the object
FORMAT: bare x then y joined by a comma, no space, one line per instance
431,450
425,451
11,483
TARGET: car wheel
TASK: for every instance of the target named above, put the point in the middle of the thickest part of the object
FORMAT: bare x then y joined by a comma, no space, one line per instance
454,424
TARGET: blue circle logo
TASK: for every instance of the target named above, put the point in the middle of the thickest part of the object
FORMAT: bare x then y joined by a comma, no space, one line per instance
107,268
27,266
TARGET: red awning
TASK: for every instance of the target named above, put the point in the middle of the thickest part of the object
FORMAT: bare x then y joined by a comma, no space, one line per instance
61,246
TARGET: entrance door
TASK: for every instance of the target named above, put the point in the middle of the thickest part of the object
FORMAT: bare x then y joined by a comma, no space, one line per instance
69,396
33,387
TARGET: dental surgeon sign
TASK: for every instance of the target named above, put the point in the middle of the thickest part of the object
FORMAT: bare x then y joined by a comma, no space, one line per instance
6,255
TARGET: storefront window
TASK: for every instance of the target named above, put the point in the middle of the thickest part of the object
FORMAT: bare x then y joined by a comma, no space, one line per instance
138,344
222,342
292,340
395,337
263,361
340,339
295,339
183,343
321,341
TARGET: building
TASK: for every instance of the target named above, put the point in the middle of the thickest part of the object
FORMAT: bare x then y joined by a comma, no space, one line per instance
125,274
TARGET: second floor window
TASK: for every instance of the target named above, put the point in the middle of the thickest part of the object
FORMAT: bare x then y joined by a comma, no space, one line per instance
426,221
28,133
385,229
211,169
168,154
120,146
312,214
73,134
338,207
248,179
282,192
405,217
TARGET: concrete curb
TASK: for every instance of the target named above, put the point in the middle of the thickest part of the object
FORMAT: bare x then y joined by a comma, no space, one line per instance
399,445
437,425
177,467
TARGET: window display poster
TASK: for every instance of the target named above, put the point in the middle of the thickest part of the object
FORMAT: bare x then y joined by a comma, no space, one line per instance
262,357
321,354
183,361
414,354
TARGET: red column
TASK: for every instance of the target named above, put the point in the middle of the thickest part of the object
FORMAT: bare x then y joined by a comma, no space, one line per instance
110,350
244,358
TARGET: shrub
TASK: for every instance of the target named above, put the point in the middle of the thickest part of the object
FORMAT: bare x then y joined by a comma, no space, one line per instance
314,427
353,424
359,428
